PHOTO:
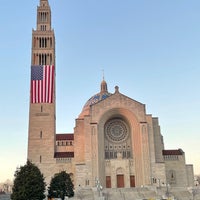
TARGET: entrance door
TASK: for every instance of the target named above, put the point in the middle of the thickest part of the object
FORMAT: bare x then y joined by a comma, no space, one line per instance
132,181
120,181
108,182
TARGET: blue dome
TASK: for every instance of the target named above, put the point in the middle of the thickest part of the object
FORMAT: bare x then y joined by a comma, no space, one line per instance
96,98
103,94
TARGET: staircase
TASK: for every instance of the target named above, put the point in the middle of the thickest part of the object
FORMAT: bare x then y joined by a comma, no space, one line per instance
4,197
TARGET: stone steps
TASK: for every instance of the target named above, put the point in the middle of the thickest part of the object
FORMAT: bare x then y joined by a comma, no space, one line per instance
136,194
4,197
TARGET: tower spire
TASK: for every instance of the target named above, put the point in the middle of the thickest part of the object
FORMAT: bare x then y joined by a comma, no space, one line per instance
103,84
43,39
103,73
43,1
44,16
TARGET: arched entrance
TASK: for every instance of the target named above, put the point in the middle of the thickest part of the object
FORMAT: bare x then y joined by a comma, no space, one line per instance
120,181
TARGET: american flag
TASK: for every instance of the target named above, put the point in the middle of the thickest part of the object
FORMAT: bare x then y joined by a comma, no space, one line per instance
42,83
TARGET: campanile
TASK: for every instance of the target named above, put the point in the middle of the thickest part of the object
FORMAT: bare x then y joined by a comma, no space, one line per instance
41,136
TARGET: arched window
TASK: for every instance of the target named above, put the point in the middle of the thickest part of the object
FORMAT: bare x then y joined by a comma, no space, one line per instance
172,177
40,134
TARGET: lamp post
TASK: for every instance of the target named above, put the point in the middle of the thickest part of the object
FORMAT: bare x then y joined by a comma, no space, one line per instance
167,192
194,192
99,187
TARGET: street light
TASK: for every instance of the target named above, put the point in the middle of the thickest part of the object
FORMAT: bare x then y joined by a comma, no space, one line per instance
194,192
167,192
99,187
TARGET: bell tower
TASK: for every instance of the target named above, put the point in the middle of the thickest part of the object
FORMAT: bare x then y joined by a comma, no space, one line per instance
42,124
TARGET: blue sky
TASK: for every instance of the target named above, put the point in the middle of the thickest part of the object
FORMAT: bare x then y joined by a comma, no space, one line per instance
150,49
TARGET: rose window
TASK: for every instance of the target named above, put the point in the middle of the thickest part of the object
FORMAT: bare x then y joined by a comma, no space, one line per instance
116,130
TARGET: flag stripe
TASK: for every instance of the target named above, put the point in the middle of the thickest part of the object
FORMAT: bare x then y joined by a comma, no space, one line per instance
51,85
47,83
42,84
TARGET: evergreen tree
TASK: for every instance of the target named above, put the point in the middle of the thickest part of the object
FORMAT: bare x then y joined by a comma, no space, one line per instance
28,183
61,185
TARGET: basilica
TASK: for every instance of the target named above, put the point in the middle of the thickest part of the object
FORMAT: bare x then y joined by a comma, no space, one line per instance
114,141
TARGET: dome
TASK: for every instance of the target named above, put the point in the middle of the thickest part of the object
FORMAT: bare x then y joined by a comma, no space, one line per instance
103,94
96,98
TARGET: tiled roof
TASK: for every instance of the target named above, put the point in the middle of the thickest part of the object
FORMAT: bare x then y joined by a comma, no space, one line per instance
65,136
64,155
173,152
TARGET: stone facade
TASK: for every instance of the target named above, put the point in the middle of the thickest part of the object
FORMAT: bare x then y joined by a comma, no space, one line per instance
114,141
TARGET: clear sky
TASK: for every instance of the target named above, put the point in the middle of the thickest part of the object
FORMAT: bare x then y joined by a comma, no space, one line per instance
149,48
